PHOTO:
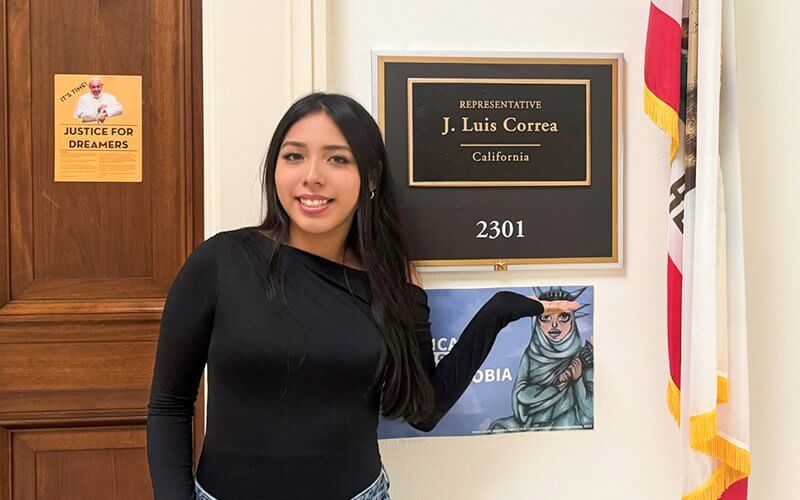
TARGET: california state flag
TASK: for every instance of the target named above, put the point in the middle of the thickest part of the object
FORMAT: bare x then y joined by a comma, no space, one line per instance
707,338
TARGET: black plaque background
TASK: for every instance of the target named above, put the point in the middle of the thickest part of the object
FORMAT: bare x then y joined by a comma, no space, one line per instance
562,155
568,223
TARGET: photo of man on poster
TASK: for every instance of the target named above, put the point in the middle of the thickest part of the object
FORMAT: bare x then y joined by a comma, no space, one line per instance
97,105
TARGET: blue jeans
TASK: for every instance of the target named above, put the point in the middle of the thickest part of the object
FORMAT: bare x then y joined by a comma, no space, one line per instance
378,490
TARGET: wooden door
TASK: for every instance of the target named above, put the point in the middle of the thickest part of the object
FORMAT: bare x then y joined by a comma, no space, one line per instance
85,266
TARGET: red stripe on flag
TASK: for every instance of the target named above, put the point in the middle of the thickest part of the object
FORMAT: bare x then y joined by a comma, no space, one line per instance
662,66
736,491
674,281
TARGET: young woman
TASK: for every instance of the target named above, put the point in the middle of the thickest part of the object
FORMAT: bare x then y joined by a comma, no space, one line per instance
310,323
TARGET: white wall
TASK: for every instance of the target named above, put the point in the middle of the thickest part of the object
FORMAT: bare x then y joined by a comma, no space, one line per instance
246,89
770,111
254,54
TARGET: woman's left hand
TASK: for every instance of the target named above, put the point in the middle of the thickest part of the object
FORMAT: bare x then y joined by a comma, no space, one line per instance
556,306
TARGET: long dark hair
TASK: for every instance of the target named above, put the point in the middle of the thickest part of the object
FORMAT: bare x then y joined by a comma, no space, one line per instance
376,237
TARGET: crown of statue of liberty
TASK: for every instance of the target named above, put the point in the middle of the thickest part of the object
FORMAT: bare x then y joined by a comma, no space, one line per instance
558,293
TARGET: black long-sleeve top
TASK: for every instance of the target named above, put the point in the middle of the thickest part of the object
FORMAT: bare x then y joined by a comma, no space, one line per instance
313,433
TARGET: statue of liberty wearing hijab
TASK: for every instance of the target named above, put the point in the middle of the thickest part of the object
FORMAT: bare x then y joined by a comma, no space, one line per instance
555,381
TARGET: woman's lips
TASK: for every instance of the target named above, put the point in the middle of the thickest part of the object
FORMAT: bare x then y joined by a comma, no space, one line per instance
313,210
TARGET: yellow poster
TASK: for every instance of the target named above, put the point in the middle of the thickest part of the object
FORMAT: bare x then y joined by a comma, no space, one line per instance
98,134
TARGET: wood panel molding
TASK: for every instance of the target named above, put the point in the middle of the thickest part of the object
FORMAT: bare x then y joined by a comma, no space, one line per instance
51,463
308,46
17,310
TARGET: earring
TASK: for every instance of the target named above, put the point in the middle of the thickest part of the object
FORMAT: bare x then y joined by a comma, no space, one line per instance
372,194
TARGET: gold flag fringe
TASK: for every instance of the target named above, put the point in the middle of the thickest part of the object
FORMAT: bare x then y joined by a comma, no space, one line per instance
722,478
664,116
702,428
674,401
728,453
734,460
674,397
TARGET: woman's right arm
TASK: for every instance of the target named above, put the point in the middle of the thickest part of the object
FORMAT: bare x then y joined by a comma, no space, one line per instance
181,354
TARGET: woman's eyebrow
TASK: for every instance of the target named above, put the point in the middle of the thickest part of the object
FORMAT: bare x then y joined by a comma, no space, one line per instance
303,145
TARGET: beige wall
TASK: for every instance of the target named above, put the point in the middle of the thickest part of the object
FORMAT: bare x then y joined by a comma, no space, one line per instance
770,131
261,53
246,90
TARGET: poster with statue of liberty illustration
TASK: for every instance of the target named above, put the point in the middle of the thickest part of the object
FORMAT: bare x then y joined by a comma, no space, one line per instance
538,376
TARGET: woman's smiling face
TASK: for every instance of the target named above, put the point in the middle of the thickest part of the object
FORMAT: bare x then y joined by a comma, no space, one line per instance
317,178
